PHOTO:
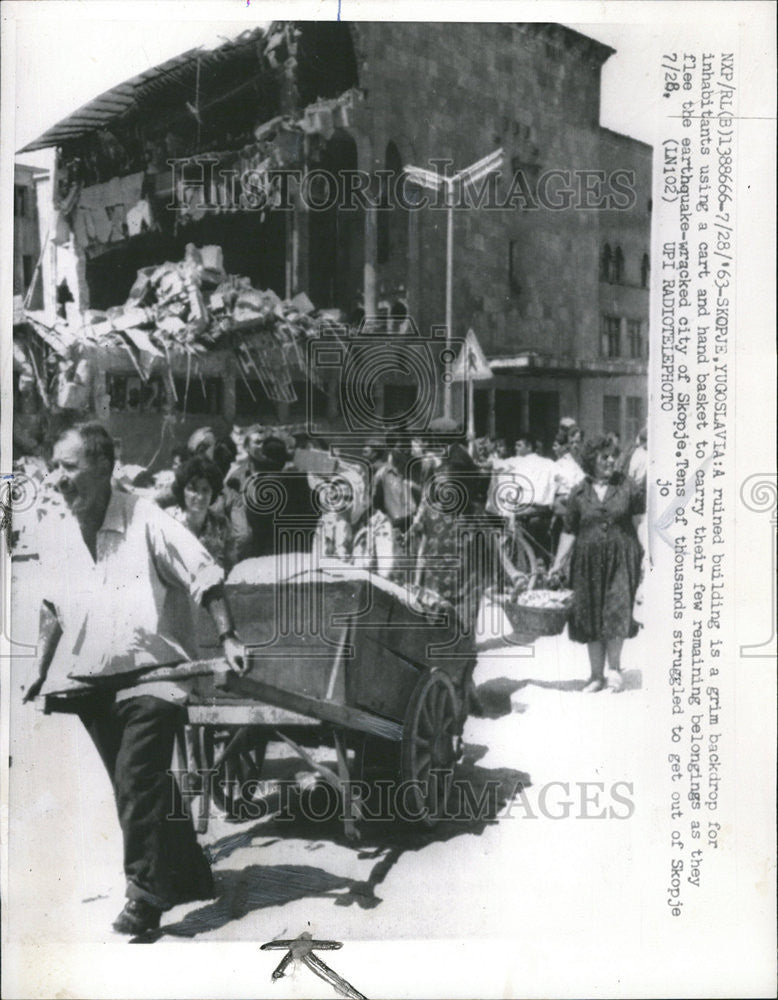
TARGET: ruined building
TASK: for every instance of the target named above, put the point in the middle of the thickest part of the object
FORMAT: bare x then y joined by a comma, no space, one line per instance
236,147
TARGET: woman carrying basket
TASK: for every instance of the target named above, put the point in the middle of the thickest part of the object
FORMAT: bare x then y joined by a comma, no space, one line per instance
458,551
605,558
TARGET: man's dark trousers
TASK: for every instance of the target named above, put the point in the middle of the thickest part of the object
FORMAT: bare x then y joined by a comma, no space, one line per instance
163,863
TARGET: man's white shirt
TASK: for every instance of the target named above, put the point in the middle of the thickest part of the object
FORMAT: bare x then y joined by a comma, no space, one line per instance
132,607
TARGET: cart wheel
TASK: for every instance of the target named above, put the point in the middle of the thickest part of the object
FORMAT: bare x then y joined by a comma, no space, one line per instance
431,743
241,766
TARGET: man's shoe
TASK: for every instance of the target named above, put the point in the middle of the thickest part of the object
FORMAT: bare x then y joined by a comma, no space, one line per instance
137,917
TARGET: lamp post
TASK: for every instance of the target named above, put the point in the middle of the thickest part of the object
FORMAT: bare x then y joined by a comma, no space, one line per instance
434,182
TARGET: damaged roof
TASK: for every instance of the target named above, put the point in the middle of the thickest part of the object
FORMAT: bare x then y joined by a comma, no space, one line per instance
127,97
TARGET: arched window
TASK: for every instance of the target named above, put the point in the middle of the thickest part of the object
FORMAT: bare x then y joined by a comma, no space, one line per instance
645,271
326,61
618,267
335,233
390,226
605,263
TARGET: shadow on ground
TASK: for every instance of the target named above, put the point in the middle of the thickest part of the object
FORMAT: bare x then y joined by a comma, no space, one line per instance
494,697
633,681
478,797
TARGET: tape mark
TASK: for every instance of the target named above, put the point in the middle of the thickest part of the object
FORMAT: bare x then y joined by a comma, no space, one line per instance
301,949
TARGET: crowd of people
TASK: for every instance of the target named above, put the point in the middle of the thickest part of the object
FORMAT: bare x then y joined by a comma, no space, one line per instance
408,508
396,506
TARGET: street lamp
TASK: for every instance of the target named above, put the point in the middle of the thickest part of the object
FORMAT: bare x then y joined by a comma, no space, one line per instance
434,182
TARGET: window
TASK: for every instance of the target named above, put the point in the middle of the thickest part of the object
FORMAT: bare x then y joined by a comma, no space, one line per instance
513,269
635,336
645,271
611,415
311,401
252,403
635,418
389,188
523,180
618,267
20,201
612,265
27,270
610,342
605,263
204,395
127,393
400,400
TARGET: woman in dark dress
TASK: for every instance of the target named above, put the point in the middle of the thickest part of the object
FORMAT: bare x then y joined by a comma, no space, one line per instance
605,557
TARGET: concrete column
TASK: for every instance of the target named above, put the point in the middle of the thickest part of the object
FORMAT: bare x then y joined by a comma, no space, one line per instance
298,244
524,410
362,133
228,399
413,278
369,287
288,86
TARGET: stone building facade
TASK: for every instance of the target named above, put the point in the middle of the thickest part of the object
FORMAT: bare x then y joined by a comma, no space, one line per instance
528,278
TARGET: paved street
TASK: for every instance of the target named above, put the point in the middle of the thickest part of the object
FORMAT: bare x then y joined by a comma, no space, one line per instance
277,879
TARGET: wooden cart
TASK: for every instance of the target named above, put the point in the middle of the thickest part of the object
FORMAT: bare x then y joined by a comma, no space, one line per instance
340,658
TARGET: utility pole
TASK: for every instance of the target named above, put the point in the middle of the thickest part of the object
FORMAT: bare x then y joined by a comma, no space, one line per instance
434,182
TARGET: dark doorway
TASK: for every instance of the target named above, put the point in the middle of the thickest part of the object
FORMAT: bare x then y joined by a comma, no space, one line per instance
543,417
335,232
481,416
507,414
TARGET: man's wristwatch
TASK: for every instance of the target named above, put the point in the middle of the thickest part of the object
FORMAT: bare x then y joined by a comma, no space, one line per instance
229,634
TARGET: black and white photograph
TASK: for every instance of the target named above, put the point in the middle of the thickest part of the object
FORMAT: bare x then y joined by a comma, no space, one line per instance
389,499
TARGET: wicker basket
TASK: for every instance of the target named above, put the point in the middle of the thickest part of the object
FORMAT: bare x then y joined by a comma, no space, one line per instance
528,620
536,621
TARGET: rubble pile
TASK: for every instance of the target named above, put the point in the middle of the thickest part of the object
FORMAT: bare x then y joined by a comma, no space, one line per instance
195,307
